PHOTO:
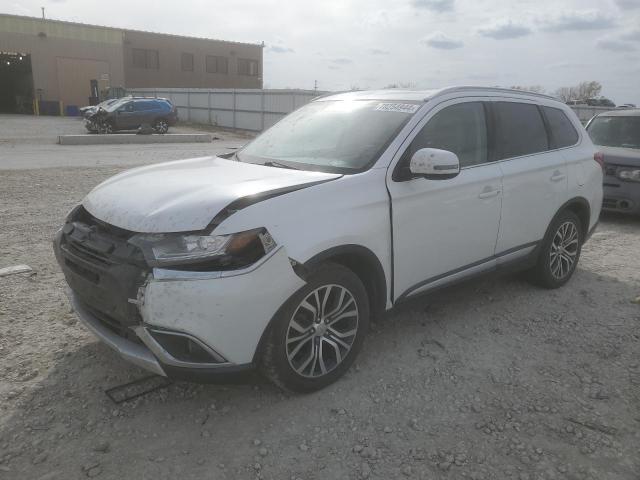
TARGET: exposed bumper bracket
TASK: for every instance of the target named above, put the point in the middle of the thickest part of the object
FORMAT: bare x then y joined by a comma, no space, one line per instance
127,349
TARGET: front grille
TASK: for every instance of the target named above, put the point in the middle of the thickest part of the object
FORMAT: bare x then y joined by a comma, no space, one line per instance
102,268
609,203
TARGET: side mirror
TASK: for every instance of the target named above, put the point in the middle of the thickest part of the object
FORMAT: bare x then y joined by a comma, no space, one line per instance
434,164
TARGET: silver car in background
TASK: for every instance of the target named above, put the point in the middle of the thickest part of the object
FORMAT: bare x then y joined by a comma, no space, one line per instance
617,136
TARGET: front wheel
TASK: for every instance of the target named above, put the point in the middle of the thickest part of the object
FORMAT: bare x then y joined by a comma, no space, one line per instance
559,252
105,128
318,332
161,126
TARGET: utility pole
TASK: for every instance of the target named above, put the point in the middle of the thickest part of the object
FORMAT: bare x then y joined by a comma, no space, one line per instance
42,12
315,85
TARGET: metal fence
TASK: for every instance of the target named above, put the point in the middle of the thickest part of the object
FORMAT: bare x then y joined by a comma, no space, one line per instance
245,109
585,113
256,109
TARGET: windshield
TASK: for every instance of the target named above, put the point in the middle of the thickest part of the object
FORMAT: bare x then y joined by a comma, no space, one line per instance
110,107
615,131
343,136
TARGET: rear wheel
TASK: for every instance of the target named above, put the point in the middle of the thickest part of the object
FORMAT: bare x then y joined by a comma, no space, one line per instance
318,332
559,252
161,126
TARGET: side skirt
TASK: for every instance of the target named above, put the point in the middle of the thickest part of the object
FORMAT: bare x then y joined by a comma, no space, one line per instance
512,260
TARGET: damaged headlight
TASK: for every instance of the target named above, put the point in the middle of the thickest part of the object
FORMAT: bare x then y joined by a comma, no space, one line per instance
629,174
194,251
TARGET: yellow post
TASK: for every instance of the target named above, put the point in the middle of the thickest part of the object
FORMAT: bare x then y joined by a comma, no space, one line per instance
61,108
36,107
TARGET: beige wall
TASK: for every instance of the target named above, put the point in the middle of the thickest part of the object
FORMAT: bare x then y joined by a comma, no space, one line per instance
65,56
56,45
170,74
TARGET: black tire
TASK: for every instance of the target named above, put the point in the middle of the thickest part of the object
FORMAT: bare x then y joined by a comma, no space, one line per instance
105,128
329,280
161,126
547,273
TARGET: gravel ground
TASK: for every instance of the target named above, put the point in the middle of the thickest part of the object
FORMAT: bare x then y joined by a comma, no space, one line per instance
491,379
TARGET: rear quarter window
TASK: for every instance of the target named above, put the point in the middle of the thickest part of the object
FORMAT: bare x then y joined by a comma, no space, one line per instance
519,130
162,105
563,133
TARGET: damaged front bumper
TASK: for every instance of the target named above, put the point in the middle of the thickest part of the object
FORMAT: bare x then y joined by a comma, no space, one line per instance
133,352
197,326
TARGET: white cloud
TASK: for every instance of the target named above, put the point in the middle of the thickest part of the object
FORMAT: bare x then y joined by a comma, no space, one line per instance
615,45
578,20
435,5
631,36
505,29
442,41
628,4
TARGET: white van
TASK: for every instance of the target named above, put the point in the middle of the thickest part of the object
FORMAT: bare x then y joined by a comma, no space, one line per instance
277,256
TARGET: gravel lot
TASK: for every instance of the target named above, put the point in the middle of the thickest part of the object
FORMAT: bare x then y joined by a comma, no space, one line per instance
488,380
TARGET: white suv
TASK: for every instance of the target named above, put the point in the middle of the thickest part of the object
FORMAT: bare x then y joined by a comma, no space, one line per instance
278,255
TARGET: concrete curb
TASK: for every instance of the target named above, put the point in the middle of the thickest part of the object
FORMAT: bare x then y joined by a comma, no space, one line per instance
132,138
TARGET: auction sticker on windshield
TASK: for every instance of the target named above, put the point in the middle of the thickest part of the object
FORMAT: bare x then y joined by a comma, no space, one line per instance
397,107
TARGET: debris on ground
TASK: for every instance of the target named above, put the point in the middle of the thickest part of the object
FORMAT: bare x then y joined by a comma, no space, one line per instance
5,272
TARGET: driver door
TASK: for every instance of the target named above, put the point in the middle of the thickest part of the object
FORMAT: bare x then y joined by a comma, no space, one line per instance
445,229
125,117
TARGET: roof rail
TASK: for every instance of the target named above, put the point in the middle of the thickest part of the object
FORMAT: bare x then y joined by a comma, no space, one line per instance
463,88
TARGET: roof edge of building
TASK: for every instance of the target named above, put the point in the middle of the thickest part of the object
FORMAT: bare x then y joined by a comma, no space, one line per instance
124,30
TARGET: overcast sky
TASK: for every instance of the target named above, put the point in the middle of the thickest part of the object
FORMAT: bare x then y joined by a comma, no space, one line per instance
425,43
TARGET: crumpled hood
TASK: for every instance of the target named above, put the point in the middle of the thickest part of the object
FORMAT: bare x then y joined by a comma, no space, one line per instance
186,195
620,156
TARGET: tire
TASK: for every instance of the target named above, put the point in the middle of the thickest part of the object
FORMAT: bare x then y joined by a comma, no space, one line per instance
91,127
161,126
304,352
105,128
554,268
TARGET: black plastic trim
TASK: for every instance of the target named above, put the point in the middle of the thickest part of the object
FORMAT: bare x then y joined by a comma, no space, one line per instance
358,250
219,375
435,278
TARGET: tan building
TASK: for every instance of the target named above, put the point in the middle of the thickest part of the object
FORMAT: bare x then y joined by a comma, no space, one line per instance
55,61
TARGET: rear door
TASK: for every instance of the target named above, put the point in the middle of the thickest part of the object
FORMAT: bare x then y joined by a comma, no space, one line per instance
146,112
534,175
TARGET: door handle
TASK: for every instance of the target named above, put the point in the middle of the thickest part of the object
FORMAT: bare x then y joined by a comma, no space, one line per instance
557,176
488,192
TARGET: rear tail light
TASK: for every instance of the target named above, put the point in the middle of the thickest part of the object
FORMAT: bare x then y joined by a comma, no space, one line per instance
599,157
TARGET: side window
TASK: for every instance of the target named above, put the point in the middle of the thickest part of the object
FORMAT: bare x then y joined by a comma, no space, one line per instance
520,130
144,105
160,105
460,129
127,107
563,133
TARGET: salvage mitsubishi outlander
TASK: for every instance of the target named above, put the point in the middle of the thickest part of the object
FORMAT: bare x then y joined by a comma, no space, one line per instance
278,256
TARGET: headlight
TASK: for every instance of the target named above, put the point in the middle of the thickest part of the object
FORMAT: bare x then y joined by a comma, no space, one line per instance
205,252
629,174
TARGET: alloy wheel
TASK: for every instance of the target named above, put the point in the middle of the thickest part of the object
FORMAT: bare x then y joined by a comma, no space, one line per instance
106,128
322,331
162,126
564,250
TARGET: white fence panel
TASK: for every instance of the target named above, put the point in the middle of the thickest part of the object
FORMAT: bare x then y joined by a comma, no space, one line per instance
243,109
257,109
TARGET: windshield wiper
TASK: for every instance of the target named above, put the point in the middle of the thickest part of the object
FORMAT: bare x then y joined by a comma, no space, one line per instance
272,163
